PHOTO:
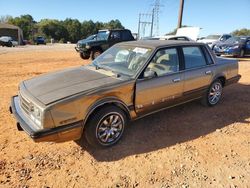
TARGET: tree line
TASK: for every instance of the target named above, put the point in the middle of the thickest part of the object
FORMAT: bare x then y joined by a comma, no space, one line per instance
62,31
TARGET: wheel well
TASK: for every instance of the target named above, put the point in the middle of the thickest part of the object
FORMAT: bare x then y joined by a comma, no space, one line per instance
222,79
96,48
117,104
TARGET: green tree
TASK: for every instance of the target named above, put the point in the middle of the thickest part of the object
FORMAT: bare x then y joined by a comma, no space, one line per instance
53,29
73,27
87,28
241,32
26,23
114,24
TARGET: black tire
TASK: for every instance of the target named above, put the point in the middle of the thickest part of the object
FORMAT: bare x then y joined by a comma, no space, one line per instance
95,53
105,127
9,44
242,53
84,56
213,94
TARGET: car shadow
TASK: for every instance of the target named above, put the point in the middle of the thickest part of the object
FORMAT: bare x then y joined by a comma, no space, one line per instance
178,125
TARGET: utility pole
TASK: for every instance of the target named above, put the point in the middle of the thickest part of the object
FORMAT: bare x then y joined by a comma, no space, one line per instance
139,27
180,14
143,23
156,12
152,23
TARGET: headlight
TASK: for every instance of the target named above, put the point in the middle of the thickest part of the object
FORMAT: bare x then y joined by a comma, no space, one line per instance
36,115
87,46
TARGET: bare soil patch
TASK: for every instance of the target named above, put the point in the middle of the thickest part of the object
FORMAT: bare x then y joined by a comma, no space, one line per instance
186,146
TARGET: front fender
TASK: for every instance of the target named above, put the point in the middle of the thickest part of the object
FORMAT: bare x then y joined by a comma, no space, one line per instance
105,101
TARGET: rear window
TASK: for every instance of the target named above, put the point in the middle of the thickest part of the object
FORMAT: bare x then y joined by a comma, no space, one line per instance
194,57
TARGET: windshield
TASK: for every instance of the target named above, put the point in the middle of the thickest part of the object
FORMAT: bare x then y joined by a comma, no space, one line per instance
125,60
91,37
236,40
103,35
216,37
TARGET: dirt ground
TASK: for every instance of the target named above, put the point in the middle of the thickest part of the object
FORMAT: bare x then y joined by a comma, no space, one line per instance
186,146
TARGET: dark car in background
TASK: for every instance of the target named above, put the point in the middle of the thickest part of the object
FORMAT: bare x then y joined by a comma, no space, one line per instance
94,46
40,40
8,41
236,46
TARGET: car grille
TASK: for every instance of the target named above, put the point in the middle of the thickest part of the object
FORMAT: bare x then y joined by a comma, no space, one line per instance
25,105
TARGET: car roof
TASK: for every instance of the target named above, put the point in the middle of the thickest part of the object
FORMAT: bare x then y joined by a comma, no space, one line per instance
113,30
158,43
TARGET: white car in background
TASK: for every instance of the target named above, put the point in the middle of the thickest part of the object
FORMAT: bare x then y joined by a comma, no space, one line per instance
8,41
212,40
184,34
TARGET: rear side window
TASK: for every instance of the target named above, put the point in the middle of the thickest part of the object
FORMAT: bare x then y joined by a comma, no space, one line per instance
126,35
208,56
115,35
194,57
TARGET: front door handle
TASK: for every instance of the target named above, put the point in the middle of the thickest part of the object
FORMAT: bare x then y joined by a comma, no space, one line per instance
176,80
208,72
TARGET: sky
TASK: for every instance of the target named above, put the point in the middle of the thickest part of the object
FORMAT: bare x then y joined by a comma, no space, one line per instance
213,16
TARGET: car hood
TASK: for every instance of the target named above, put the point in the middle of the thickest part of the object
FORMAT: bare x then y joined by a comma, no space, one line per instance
91,42
191,32
227,44
83,41
52,87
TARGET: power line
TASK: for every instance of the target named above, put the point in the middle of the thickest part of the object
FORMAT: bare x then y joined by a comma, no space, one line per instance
156,12
145,21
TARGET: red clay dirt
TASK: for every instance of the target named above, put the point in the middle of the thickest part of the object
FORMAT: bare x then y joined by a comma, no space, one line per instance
186,146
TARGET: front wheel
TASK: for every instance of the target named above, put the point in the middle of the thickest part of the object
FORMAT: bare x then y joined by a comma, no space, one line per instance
84,56
213,94
105,127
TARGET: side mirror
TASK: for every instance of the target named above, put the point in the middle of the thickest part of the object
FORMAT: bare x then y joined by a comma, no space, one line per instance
149,74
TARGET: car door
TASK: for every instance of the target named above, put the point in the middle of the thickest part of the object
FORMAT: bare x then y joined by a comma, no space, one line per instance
161,84
198,71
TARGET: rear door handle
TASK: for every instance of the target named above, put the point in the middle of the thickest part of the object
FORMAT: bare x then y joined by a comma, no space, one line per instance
208,72
176,80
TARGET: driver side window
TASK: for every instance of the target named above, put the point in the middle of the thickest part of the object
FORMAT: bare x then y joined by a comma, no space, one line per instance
164,62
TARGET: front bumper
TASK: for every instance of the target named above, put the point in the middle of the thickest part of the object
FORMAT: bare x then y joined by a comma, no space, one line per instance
78,49
234,52
58,134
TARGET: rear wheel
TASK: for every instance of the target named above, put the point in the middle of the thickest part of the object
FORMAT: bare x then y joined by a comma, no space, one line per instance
105,127
213,94
95,53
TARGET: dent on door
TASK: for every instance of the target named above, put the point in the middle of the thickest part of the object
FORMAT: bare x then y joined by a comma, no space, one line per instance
159,92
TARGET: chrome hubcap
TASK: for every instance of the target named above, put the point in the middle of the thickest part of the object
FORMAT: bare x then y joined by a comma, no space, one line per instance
215,93
110,128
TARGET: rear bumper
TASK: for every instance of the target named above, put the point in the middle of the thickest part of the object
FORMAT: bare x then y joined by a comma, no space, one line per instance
233,80
58,134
